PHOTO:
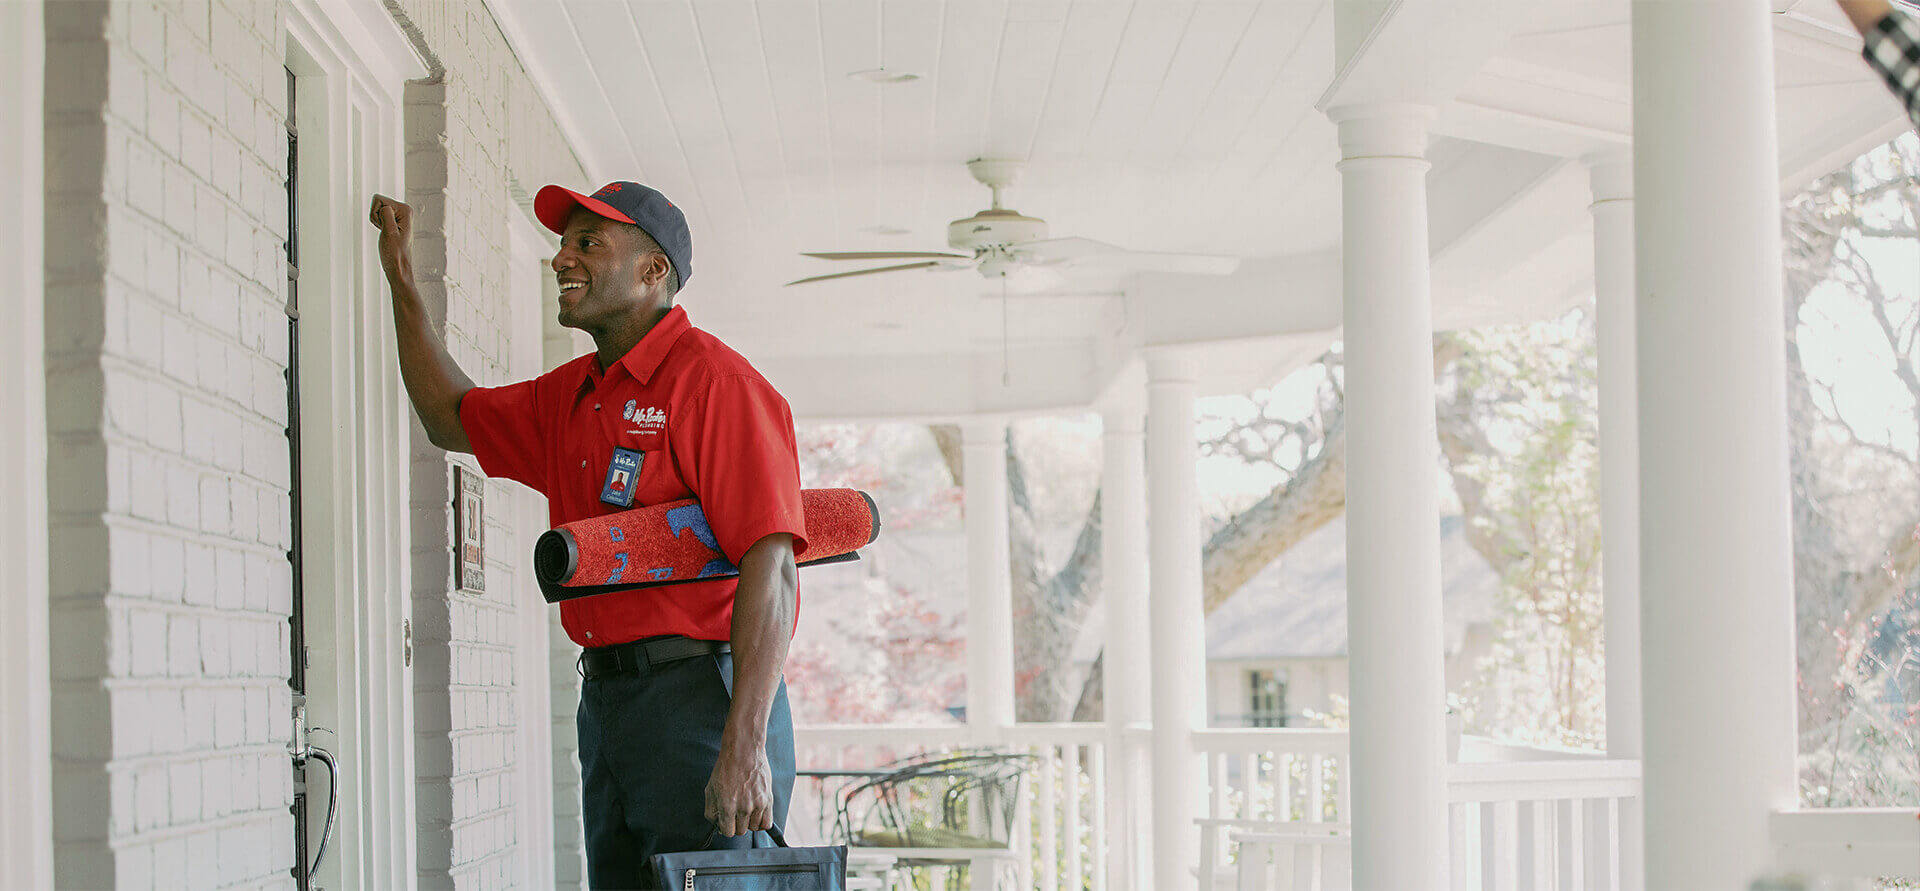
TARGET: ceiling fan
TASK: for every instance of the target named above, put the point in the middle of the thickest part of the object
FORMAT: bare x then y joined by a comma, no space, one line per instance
1000,244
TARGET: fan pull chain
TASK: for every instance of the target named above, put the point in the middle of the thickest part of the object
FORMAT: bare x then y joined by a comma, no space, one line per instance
1006,375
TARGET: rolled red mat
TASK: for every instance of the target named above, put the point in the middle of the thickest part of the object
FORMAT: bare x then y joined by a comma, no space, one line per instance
670,544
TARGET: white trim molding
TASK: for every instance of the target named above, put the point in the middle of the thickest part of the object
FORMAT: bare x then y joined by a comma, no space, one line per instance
351,66
26,823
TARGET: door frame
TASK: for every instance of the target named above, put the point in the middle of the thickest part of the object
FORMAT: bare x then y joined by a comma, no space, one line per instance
528,296
351,62
26,824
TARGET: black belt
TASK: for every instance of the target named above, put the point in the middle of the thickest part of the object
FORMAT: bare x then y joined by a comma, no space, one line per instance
637,655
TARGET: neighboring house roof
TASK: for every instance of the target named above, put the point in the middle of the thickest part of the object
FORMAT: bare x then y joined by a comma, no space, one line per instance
1296,608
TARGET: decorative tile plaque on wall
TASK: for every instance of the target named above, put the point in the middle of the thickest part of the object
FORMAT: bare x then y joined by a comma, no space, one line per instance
469,530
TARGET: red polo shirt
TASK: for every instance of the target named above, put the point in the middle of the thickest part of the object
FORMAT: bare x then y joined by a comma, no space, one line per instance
710,427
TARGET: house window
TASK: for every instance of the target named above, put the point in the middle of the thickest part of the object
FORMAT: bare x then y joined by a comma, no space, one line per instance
1266,698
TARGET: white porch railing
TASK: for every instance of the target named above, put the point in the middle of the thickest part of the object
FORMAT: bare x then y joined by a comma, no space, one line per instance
1064,815
1531,824
1538,824
1514,824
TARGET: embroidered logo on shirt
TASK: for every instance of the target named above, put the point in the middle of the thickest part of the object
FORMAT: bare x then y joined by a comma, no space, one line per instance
628,411
649,418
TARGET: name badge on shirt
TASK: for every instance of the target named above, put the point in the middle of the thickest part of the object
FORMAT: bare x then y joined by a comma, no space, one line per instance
622,474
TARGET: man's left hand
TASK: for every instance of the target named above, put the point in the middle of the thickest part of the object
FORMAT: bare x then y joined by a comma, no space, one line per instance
740,794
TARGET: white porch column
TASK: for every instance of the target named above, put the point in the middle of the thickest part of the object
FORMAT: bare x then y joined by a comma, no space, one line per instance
1716,580
1394,631
1611,176
1125,679
989,578
1178,650
26,823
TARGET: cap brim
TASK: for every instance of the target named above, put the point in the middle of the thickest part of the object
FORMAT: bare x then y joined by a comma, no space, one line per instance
553,205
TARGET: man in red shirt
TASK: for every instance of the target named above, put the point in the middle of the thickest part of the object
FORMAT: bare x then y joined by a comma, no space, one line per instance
685,734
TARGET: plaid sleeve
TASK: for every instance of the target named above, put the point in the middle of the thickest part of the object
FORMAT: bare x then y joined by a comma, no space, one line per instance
1893,49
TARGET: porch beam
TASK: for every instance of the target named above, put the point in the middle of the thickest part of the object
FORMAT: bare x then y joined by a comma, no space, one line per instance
1178,650
989,579
1716,544
1611,179
1394,630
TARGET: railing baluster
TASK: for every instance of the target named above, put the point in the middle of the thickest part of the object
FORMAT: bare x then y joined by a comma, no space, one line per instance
1317,788
1049,821
1076,871
1506,847
1544,868
1577,845
1283,799
1613,844
1097,775
1457,846
1250,786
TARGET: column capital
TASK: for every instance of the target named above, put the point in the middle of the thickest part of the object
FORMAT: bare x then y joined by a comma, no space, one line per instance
1610,174
1382,129
1167,365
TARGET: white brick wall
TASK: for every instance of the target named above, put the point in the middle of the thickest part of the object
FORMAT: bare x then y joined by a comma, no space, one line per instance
476,138
166,409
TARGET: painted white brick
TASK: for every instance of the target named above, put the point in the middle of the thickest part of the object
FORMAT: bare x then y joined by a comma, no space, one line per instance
230,729
163,271
216,788
245,506
231,587
210,362
183,650
242,648
163,707
148,629
202,586
127,553
163,117
196,142
168,567
149,487
146,190
133,867
258,720
150,807
180,212
163,417
228,450
216,647
183,783
182,349
170,863
183,498
203,854
215,511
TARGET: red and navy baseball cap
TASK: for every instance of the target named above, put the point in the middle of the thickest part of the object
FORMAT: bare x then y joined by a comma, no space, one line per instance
626,202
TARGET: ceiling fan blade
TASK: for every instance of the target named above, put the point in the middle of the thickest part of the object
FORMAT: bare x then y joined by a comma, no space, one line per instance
821,278
1055,250
1150,261
886,255
1089,252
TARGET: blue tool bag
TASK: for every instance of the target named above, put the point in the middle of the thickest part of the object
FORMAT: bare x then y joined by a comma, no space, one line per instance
778,868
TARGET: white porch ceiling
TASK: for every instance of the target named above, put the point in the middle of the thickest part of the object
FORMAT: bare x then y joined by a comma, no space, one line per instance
1174,125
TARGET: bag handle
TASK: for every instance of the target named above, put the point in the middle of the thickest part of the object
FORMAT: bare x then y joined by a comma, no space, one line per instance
773,833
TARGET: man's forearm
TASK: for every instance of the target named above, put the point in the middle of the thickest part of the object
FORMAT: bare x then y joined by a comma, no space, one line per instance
434,381
763,606
1864,14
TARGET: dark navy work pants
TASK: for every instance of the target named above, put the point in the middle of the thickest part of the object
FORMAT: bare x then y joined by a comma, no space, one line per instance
648,743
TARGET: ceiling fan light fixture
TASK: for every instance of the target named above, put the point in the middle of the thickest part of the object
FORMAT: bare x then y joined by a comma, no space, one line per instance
883,77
